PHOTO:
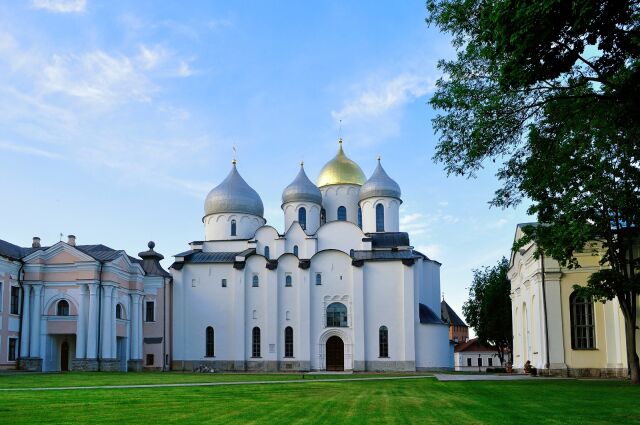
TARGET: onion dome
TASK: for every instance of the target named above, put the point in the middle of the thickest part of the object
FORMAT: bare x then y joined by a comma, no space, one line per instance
233,195
380,185
302,189
340,170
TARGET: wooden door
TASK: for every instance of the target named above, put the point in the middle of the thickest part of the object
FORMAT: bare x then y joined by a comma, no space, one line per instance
335,354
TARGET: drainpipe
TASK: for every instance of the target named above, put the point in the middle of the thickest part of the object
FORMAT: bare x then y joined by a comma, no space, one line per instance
99,314
546,322
20,309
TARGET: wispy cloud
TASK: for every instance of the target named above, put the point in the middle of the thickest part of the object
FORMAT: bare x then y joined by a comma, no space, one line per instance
420,224
60,6
28,150
385,96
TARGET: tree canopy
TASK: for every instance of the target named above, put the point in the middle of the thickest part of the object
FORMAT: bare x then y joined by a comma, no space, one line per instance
488,309
550,89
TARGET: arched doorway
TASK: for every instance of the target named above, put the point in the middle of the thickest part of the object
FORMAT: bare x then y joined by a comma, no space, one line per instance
335,354
64,356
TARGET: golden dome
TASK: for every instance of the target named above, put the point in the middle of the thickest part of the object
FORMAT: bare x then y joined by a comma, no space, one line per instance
340,170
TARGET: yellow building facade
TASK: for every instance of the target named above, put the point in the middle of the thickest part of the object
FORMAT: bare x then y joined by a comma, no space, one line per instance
558,331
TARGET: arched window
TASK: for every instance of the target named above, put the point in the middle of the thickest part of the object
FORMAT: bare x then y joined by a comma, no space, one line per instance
337,315
255,282
255,342
233,228
323,216
318,279
118,311
360,217
379,218
342,214
288,341
295,250
383,341
288,280
209,342
63,308
582,323
302,217
266,252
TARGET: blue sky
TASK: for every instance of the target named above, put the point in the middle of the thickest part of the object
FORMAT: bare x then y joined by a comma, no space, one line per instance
116,119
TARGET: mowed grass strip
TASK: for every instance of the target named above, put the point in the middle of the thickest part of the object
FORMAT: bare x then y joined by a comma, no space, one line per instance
90,379
396,401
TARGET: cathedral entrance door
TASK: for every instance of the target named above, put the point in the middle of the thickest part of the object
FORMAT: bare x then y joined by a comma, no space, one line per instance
335,354
64,356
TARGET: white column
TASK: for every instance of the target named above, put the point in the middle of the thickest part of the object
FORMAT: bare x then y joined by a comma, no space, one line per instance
81,325
114,324
134,320
140,327
357,318
35,322
26,316
106,322
93,325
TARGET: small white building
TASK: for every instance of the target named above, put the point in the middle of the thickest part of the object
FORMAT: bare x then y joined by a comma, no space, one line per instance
472,356
340,289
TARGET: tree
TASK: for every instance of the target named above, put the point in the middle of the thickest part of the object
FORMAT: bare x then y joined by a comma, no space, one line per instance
551,90
488,309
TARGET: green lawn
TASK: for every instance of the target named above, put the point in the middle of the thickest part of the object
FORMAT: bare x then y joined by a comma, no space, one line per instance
394,401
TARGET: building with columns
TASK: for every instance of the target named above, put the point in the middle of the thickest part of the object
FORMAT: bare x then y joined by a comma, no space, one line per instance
83,307
341,289
560,332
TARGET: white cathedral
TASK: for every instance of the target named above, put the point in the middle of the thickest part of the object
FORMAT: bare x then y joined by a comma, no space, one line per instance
341,289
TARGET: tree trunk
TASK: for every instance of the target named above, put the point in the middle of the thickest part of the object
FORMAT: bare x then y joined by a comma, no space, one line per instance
632,356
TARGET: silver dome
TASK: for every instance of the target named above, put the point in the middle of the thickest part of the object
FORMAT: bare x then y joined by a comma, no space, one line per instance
380,185
233,195
302,190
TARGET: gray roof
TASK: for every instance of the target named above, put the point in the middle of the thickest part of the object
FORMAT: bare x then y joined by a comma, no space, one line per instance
428,316
380,185
450,316
389,239
233,195
382,255
151,262
14,252
302,189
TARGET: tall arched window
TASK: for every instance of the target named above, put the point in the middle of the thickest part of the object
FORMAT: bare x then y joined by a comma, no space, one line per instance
295,250
360,217
288,341
582,323
323,216
383,341
318,279
209,352
379,218
288,280
118,311
63,308
302,217
266,252
233,228
255,342
255,282
342,214
337,315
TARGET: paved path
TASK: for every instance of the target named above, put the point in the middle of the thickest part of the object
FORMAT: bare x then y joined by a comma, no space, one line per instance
444,377
216,384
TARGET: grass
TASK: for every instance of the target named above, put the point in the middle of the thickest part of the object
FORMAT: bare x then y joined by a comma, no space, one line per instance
394,401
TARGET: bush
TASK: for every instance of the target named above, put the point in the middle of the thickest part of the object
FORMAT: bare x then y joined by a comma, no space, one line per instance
496,370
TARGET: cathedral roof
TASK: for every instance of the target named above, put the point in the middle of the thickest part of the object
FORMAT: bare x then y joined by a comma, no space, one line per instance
380,185
302,189
340,170
233,195
428,316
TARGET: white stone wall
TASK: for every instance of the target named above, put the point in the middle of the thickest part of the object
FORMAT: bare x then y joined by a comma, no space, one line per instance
345,195
391,214
218,226
291,213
